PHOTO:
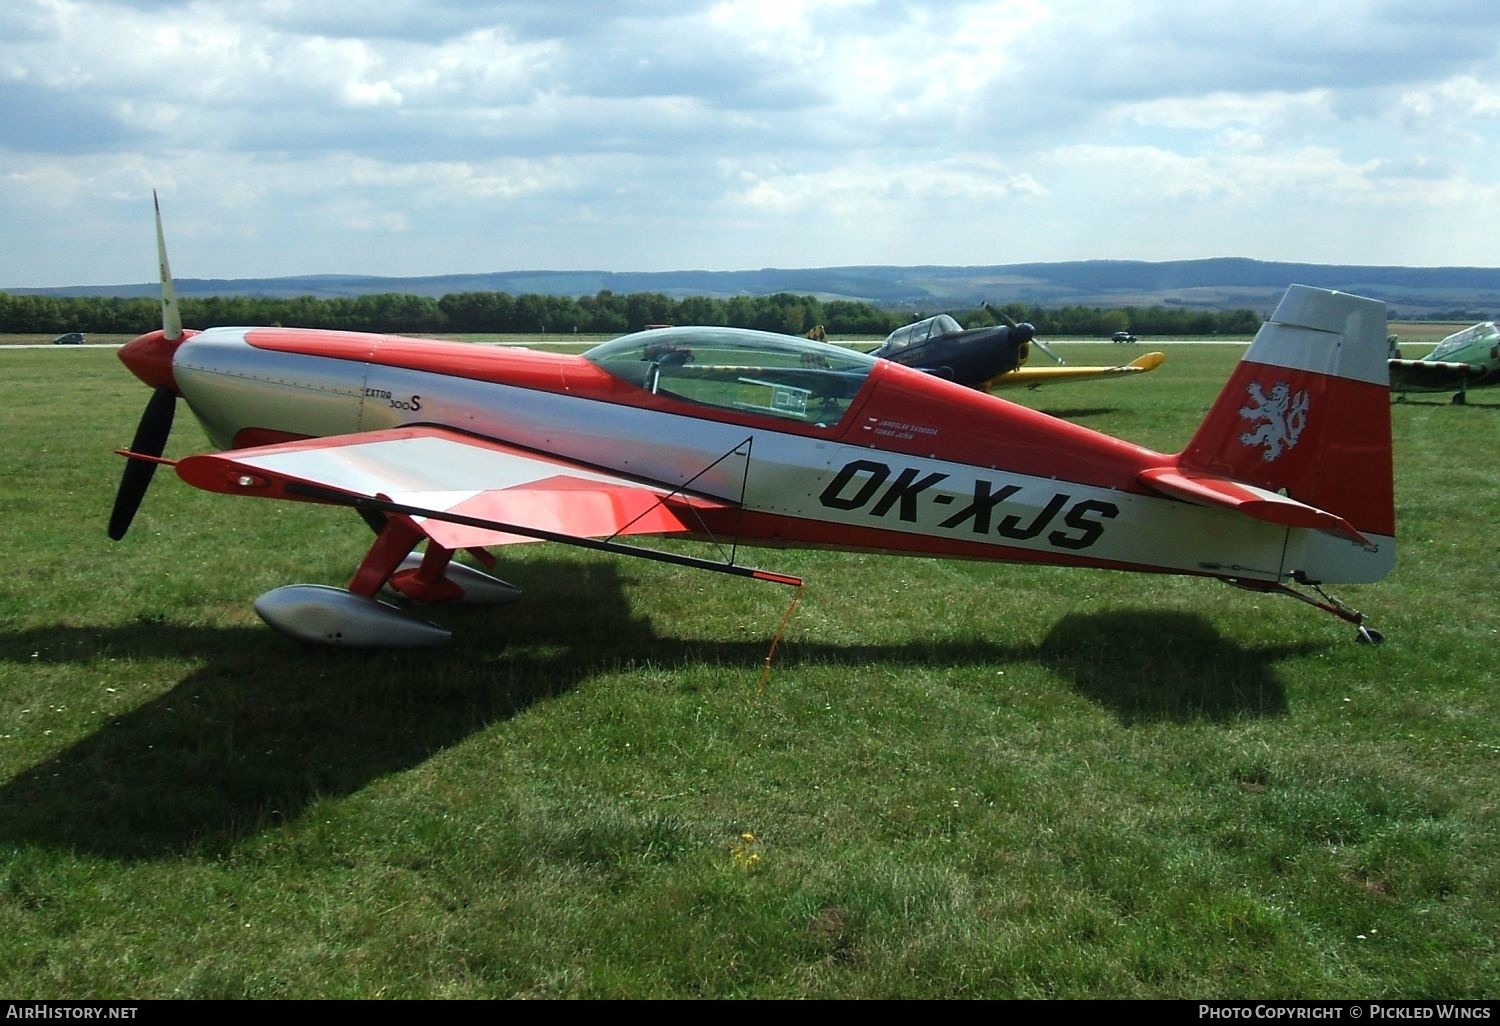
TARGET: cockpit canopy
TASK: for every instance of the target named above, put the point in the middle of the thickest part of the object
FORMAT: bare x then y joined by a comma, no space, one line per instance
1485,331
921,331
754,372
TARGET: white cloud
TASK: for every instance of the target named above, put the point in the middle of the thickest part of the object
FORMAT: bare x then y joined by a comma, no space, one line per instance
427,136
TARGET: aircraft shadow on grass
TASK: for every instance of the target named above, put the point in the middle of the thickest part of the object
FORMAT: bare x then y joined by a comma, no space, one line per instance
264,728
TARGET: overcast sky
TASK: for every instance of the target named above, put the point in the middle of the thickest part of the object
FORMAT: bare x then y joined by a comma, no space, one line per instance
398,137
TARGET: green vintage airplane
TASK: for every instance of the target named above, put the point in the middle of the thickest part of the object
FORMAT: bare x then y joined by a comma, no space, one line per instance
1464,360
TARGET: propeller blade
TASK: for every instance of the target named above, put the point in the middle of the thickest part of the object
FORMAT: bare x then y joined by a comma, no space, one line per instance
171,316
150,440
1029,331
1044,347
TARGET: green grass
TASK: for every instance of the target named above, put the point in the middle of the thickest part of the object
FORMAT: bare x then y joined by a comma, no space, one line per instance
960,780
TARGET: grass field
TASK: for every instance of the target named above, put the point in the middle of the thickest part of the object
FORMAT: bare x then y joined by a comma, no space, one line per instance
960,780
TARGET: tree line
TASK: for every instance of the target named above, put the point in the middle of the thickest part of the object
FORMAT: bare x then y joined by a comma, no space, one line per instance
603,313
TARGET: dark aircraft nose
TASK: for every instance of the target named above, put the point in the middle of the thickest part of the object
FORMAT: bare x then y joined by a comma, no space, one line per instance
149,358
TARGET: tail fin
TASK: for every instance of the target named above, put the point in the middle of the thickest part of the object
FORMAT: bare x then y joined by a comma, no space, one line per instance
1307,415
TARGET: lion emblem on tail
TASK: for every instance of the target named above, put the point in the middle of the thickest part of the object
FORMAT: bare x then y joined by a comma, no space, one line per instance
1280,418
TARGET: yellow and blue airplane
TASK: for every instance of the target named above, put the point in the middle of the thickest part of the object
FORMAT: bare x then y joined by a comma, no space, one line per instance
992,357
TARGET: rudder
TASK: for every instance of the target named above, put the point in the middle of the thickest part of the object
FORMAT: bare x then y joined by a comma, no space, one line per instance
1307,414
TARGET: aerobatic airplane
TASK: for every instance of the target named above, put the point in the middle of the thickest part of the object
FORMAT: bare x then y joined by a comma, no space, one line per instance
992,357
752,438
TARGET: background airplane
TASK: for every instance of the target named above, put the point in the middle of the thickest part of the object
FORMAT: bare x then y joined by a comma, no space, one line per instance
1465,359
991,357
745,437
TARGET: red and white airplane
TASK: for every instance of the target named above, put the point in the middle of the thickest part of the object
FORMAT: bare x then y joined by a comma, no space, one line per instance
746,437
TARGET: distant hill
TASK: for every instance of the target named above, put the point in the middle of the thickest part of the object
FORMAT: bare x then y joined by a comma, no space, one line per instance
1221,283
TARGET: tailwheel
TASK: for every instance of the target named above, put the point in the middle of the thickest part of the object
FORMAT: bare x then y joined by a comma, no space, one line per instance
1328,603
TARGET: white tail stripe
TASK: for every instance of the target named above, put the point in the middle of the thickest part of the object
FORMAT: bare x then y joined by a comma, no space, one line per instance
1304,331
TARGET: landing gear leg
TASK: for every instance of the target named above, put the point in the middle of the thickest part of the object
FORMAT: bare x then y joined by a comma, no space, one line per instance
353,618
1362,634
1329,604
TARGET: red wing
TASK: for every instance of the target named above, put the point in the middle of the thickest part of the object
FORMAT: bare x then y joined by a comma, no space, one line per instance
445,471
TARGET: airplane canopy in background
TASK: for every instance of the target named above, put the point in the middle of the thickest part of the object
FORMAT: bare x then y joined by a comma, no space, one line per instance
921,331
1463,339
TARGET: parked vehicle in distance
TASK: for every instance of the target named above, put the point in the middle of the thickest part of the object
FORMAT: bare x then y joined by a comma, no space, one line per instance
72,338
1122,336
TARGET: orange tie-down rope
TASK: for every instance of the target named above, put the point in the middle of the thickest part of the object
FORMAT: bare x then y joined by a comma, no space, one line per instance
786,618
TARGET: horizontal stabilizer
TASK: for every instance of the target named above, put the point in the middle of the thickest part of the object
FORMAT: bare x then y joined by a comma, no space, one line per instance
1248,500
